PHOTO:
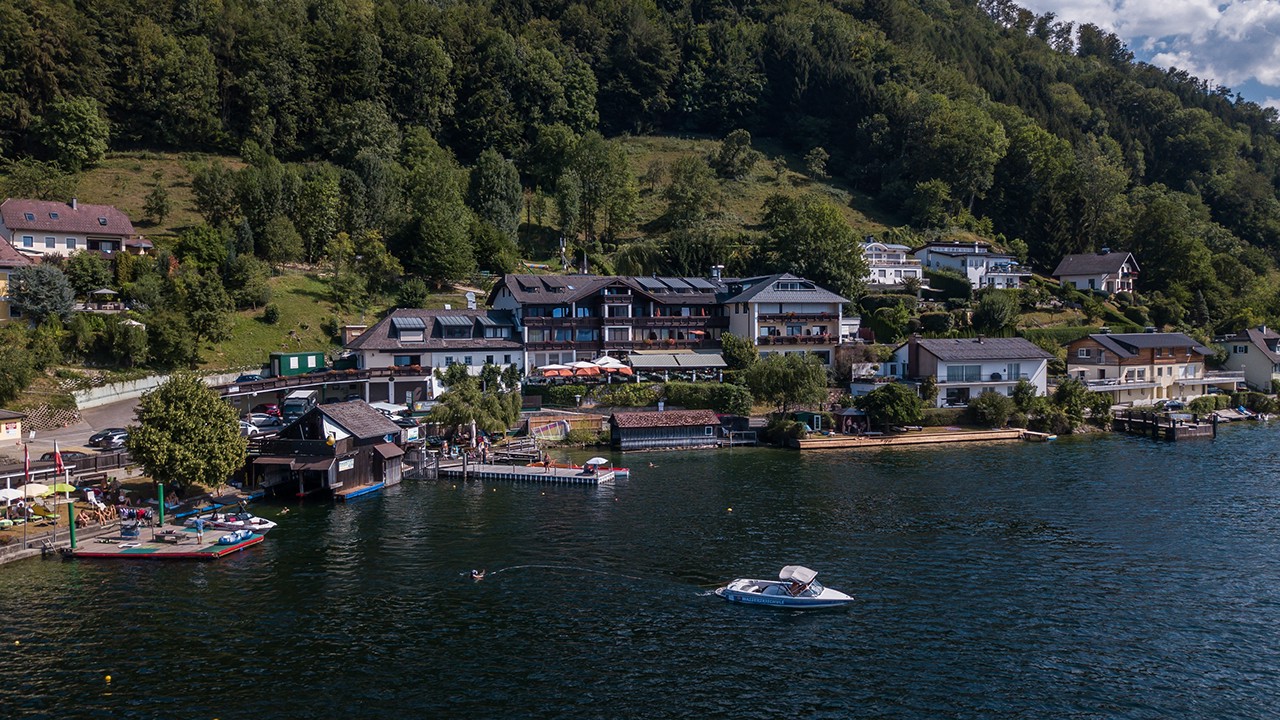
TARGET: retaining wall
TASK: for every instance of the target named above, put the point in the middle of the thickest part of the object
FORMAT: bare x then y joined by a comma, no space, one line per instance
107,394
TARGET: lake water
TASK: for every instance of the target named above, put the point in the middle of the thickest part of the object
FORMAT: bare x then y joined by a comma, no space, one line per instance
1095,577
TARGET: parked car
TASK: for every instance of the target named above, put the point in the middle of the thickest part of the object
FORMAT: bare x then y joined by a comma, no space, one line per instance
263,420
101,437
248,429
67,455
114,441
252,377
405,422
267,408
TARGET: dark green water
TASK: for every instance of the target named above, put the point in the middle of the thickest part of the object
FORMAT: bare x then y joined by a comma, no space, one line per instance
1088,578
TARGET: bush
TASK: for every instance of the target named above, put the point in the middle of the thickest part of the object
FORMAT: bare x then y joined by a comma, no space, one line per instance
630,395
872,303
952,285
1137,314
586,437
271,315
331,327
1203,405
720,397
564,395
1018,420
938,323
992,409
941,417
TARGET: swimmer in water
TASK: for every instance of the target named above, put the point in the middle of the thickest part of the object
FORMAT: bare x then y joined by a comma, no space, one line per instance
477,575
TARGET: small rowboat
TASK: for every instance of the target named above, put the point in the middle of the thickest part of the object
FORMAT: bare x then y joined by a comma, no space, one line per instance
794,588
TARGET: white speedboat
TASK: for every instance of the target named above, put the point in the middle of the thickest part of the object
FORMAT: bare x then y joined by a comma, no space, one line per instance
794,588
234,521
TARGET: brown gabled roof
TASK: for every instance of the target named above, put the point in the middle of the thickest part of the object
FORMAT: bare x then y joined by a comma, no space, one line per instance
357,418
384,336
668,418
564,289
10,258
1265,339
84,219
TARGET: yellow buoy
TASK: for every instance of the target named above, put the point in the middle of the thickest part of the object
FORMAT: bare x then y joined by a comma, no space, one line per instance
108,678
730,509
17,642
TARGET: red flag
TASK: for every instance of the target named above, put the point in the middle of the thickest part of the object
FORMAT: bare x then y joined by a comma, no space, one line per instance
26,463
57,459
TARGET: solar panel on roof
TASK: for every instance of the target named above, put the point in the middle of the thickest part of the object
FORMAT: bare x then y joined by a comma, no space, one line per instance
408,323
455,320
650,283
700,283
675,283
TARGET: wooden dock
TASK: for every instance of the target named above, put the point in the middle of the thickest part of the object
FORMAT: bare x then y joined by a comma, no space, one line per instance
863,442
1158,426
358,491
168,542
523,473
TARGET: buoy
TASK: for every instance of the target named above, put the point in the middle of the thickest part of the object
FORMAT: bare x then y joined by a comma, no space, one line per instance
108,678
17,642
730,509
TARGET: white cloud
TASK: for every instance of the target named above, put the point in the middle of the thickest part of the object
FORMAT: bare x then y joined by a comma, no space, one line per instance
1272,102
1226,42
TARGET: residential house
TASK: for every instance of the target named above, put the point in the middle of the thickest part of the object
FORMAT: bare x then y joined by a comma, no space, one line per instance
410,344
563,318
11,426
889,264
1142,368
43,227
666,429
1255,354
1105,271
976,261
10,260
964,368
331,447
788,314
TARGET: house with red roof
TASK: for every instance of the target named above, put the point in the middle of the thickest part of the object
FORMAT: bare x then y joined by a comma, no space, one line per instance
47,227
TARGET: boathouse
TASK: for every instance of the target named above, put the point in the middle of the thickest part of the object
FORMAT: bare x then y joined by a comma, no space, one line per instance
666,429
333,448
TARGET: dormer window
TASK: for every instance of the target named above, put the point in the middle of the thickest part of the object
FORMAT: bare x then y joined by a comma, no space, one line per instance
409,329
102,221
53,216
30,217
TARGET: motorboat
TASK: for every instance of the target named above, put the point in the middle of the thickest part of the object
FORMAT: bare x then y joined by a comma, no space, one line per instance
794,588
233,521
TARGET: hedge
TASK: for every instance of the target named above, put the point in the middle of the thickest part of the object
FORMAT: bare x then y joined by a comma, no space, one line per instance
951,285
720,397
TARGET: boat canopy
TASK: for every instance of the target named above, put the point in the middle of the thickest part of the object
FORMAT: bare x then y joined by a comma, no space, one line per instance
797,573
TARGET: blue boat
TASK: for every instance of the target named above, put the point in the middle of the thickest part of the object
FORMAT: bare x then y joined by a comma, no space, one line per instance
795,588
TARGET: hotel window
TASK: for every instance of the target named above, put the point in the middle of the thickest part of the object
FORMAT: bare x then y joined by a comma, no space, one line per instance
795,329
583,312
406,360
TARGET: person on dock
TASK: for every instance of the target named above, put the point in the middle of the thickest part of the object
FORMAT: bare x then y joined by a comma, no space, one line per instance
200,530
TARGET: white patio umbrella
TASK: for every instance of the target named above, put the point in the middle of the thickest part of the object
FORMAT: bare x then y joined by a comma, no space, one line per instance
597,461
33,490
9,494
608,361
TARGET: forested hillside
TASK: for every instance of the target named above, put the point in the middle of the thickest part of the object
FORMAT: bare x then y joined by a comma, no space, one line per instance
444,128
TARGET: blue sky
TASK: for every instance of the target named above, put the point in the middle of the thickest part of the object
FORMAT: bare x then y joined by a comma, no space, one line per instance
1235,43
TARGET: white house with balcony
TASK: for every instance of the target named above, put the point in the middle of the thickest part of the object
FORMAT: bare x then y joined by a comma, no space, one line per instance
1255,354
889,264
964,368
1103,271
976,261
788,314
42,227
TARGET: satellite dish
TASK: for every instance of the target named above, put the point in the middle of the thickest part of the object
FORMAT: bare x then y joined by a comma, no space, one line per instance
471,300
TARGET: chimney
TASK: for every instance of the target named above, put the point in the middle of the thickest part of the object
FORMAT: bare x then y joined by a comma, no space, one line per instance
1104,251
1262,329
913,356
73,203
715,271
979,340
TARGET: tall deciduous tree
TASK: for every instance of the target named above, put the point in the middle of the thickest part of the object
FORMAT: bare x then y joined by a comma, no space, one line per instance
691,193
997,310
436,244
494,192
891,404
87,271
30,178
186,435
75,133
788,381
807,236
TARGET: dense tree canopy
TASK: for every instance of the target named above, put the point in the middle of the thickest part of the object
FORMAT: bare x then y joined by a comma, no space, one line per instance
186,434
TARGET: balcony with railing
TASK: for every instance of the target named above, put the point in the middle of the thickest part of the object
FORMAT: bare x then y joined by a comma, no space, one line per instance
1214,378
564,322
795,339
693,344
617,298
1113,384
797,317
983,380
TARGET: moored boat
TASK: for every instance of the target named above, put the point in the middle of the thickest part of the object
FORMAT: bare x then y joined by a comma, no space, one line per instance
233,521
794,588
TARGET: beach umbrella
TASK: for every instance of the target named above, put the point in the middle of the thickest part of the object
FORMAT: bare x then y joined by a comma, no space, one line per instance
34,490
597,461
609,362
63,488
624,370
10,494
582,367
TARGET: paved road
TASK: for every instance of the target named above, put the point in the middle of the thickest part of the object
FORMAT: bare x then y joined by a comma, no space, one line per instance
118,414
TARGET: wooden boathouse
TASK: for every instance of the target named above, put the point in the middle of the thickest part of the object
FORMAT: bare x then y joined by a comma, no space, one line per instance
340,448
664,429
1163,426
